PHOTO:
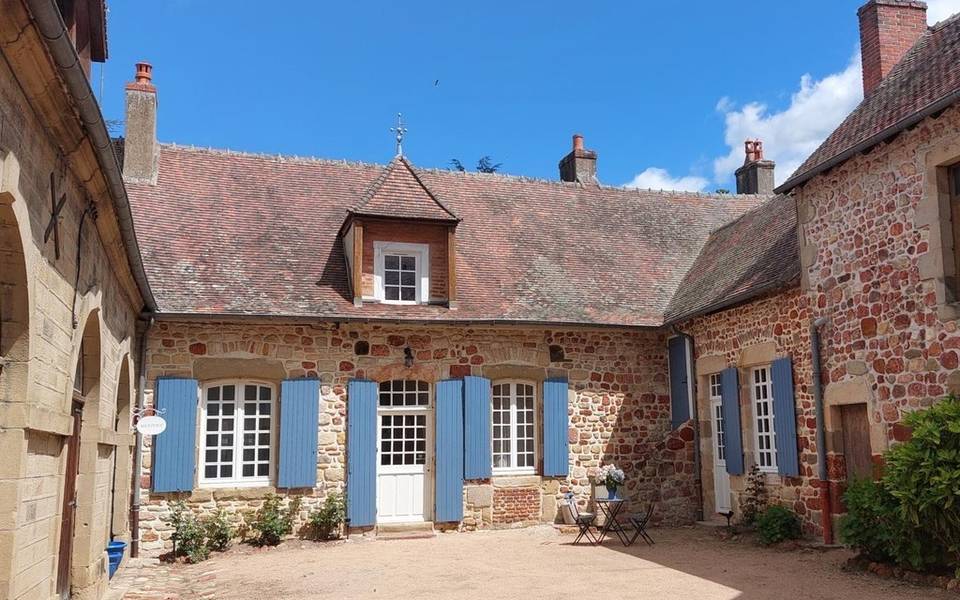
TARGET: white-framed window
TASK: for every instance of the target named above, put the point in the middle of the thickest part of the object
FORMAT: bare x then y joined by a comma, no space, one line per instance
514,427
401,273
719,434
237,433
764,435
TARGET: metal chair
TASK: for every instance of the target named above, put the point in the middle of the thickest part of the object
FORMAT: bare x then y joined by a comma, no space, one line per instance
583,520
640,522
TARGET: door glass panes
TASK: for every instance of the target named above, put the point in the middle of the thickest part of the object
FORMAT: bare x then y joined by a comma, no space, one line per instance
404,392
716,402
400,278
403,439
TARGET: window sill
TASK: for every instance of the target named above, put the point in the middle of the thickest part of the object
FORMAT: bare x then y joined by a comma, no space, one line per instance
207,493
513,472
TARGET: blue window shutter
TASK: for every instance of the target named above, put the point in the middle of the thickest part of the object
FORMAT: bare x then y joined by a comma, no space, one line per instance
175,450
556,419
477,414
679,386
362,453
449,459
299,412
785,418
730,405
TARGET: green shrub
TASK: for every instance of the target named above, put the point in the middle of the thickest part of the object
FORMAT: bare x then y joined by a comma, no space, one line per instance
872,523
923,474
754,498
912,516
777,524
326,520
218,531
188,534
272,521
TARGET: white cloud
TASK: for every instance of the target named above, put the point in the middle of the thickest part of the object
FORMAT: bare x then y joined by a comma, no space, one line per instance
790,135
659,179
938,10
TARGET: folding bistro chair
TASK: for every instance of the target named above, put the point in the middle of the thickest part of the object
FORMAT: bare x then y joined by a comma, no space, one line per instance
639,522
583,520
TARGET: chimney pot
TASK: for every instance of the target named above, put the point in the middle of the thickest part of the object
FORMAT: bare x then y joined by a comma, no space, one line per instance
756,174
888,29
580,165
144,73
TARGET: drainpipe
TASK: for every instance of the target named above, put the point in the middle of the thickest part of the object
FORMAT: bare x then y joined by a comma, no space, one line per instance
138,446
825,504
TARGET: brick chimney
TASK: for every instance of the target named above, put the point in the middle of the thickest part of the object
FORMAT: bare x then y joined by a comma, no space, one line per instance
580,165
756,174
140,149
888,28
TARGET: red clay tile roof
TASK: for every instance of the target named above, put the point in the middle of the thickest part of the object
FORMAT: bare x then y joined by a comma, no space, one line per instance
399,193
756,253
925,81
233,234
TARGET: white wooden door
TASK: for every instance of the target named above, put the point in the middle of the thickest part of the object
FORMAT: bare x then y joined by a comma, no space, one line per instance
403,466
721,479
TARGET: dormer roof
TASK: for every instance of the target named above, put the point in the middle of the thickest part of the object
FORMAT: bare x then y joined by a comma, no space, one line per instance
399,193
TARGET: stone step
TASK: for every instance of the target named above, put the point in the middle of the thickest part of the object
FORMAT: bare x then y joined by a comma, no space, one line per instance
405,531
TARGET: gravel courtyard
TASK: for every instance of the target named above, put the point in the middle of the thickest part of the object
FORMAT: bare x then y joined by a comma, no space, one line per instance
522,564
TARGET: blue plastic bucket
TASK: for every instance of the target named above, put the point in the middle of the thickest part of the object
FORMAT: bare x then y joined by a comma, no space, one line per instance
115,552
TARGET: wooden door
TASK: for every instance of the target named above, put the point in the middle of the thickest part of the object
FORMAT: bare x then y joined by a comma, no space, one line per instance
69,504
856,441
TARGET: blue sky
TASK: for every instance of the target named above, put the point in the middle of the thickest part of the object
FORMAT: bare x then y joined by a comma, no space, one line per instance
665,92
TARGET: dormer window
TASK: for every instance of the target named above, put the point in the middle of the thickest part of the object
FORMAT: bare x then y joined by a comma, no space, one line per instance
401,272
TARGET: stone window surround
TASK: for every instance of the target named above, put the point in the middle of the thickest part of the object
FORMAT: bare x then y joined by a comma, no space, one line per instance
768,383
421,252
938,265
756,355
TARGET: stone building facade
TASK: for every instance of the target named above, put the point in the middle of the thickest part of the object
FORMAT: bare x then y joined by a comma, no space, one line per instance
69,301
619,412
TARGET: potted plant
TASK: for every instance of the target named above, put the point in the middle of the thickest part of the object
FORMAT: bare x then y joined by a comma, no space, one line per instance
612,478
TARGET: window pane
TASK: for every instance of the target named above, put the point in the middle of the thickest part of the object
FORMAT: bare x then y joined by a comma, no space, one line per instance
391,277
408,263
392,293
408,294
391,261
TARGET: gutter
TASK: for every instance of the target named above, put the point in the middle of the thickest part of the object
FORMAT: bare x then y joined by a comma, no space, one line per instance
901,125
47,17
274,318
735,300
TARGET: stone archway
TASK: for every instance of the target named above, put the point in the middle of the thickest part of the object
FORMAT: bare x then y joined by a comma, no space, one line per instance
123,458
81,523
14,308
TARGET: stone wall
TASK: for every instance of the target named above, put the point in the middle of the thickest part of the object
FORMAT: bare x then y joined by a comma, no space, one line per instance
48,315
619,411
877,257
748,335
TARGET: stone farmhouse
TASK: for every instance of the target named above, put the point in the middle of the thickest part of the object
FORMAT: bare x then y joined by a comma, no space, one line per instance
451,351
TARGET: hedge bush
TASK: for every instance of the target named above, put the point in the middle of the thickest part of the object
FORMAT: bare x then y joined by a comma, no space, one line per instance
912,516
777,524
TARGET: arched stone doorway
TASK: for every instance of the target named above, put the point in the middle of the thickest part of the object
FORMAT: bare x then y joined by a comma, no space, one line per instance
83,455
14,309
123,458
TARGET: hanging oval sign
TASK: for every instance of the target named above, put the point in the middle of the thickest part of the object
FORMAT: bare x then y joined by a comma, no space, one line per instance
151,425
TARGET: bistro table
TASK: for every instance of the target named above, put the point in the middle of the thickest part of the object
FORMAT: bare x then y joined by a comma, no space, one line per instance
611,507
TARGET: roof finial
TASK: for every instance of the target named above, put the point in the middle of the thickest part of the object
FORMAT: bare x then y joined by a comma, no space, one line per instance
399,130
